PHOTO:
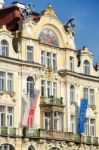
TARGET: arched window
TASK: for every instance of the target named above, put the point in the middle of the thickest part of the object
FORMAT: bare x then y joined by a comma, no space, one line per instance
31,148
30,86
86,67
4,51
6,147
72,93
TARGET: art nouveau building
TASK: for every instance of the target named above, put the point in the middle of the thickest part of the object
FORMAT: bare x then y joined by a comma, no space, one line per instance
37,51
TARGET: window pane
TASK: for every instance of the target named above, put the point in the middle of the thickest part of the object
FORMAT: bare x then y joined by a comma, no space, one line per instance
54,61
47,120
29,53
49,60
72,123
42,88
86,67
72,93
2,76
71,63
4,48
10,82
49,92
92,97
43,57
54,89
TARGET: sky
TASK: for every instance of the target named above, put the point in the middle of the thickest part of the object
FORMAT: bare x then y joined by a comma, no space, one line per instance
86,14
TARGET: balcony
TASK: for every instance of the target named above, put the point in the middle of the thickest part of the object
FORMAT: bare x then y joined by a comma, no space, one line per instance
32,133
51,101
5,131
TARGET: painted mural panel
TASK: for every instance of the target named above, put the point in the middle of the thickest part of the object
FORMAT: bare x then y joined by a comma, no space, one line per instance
49,37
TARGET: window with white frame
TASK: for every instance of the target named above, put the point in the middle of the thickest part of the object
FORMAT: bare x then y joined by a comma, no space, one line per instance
30,85
6,116
92,97
86,67
71,63
47,120
10,116
54,89
54,61
72,93
10,82
72,123
43,57
29,53
89,94
90,127
85,93
58,121
43,88
49,89
2,81
4,49
48,60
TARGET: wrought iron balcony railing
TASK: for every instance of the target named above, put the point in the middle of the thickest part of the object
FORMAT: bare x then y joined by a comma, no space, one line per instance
52,100
5,131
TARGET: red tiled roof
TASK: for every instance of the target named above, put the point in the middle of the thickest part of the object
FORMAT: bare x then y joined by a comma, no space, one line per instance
10,16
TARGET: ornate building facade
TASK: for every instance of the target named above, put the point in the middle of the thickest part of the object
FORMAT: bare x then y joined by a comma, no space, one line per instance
42,81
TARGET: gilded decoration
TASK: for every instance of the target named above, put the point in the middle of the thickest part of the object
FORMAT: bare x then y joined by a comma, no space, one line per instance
48,36
49,11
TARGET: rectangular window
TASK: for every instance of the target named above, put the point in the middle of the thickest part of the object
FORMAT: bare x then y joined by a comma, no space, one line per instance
72,123
2,81
58,121
43,57
2,116
10,116
47,120
10,82
85,93
6,116
87,127
71,63
54,61
92,97
49,60
49,87
29,53
42,87
92,127
54,89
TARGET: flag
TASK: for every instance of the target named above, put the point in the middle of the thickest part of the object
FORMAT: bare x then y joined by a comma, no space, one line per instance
82,115
33,98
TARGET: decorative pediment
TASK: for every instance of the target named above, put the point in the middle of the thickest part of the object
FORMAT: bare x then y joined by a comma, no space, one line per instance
7,98
49,11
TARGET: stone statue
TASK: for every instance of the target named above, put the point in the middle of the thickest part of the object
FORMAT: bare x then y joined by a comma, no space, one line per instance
69,25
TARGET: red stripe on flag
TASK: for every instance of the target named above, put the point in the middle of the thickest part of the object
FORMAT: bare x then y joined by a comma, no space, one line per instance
32,109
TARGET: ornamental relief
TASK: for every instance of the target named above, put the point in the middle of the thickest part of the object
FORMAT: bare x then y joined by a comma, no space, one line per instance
7,99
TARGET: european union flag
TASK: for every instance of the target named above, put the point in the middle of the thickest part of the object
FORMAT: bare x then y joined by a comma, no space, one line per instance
82,115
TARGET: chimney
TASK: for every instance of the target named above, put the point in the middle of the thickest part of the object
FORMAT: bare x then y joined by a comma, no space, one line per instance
1,4
18,4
